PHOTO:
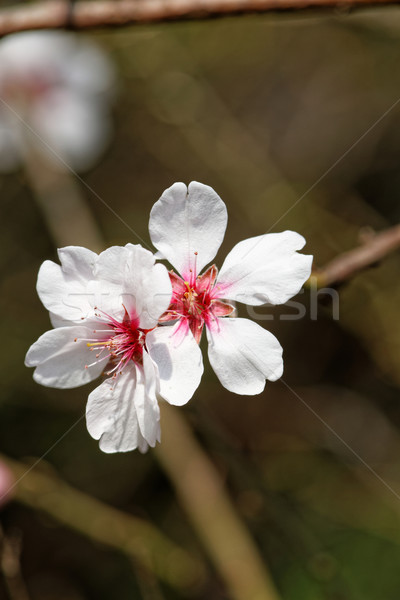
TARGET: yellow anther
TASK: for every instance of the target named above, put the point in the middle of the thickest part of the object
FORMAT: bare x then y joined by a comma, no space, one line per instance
90,344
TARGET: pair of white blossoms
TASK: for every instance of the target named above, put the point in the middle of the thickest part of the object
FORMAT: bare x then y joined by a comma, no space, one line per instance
122,314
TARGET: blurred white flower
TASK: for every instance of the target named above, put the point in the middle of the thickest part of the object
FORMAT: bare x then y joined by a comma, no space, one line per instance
55,90
105,310
187,226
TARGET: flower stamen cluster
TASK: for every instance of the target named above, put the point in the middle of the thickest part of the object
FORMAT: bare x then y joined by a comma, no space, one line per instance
196,302
124,341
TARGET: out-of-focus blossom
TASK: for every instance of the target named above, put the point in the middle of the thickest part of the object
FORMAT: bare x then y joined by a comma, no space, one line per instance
187,226
105,310
55,90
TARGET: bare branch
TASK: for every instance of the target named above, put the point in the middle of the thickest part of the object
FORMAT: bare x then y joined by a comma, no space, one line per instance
348,264
102,13
201,492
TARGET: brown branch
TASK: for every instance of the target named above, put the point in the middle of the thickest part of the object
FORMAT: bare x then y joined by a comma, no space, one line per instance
88,14
65,210
201,492
348,264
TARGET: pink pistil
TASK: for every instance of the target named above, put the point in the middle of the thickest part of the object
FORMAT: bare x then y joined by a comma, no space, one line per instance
28,86
196,302
124,341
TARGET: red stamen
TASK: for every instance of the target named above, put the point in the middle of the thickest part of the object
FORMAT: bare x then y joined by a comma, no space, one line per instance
195,302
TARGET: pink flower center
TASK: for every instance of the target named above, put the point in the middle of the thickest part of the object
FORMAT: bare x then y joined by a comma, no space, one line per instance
27,87
123,341
196,302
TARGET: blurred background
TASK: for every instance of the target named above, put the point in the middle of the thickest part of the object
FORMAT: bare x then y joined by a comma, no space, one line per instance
293,122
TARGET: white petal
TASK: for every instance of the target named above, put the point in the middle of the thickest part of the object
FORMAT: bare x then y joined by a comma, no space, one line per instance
243,355
179,362
265,269
74,129
185,221
112,416
63,289
77,261
148,411
57,321
143,446
24,53
145,286
60,361
89,70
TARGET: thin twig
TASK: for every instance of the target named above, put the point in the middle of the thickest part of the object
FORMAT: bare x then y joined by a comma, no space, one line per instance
202,494
347,265
102,13
63,205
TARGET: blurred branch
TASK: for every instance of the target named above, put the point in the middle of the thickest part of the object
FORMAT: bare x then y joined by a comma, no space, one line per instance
85,14
348,264
139,540
63,206
201,491
10,553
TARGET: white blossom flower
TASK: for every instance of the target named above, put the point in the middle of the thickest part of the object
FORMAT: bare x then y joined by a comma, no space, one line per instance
187,226
105,309
54,97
